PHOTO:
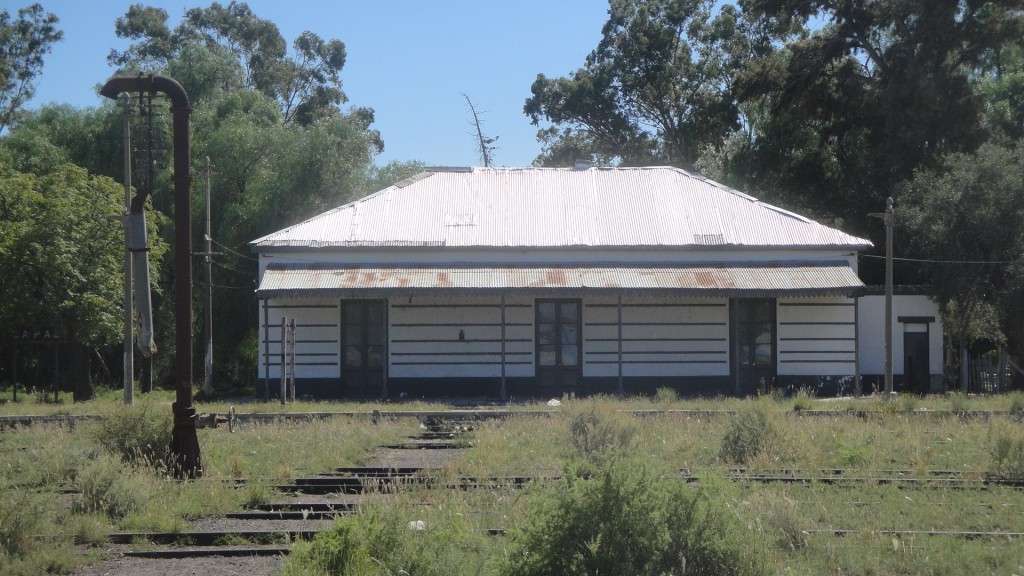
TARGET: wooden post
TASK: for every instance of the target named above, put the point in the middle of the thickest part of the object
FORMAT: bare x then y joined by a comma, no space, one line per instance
14,375
291,359
619,344
56,372
504,386
266,352
284,360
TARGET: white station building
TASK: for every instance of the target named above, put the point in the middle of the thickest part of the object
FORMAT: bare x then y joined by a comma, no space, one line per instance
538,282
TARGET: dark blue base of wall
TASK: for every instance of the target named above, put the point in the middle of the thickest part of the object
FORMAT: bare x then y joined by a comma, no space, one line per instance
515,388
529,388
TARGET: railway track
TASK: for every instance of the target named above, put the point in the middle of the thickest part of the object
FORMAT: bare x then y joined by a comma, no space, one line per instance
276,526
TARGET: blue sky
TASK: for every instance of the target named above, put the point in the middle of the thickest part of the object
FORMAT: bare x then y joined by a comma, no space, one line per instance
408,60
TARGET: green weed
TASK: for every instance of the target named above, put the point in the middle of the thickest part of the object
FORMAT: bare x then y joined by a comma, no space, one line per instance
666,395
748,434
630,518
109,486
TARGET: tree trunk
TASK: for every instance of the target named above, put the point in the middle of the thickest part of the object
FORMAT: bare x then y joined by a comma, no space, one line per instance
1003,357
146,375
81,373
965,368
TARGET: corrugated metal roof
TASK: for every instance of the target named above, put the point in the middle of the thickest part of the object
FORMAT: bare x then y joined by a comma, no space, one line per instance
559,207
721,280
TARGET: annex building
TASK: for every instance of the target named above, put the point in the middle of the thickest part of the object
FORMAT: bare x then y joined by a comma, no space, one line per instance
538,282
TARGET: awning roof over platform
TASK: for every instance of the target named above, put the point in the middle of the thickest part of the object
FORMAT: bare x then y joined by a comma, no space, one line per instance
761,279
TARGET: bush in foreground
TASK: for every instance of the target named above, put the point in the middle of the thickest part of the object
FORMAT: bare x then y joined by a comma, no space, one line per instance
633,518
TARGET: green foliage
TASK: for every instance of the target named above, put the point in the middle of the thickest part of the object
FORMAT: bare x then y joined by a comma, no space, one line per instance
632,518
23,43
959,402
60,255
666,395
137,435
22,516
1006,445
598,435
392,540
228,47
804,399
655,90
847,456
1016,407
970,210
108,486
748,434
890,80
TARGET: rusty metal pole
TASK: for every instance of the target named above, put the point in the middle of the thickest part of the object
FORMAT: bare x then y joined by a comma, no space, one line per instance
184,440
889,217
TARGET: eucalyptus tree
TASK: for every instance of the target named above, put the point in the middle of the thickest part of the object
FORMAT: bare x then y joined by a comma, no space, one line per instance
657,89
24,41
305,84
891,78
270,118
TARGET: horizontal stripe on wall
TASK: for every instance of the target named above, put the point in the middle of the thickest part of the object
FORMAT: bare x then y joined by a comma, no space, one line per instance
816,352
298,341
662,362
626,339
817,323
460,353
627,324
656,305
812,339
816,361
459,324
477,340
302,307
438,306
818,304
657,353
316,325
441,363
297,363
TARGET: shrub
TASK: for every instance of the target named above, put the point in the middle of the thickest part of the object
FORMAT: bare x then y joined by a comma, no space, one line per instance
108,486
385,539
804,399
137,435
596,435
959,402
1017,404
630,518
1007,449
22,514
748,434
666,395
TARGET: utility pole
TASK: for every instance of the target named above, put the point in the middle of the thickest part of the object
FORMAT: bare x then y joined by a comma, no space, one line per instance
888,218
129,353
208,378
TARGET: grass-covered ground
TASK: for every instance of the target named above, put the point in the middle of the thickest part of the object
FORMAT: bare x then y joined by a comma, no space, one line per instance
616,461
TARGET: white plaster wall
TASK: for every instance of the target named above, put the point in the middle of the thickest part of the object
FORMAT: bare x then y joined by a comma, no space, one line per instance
660,337
816,336
871,327
424,337
317,350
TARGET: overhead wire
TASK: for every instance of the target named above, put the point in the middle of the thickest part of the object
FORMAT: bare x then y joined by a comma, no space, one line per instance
927,261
